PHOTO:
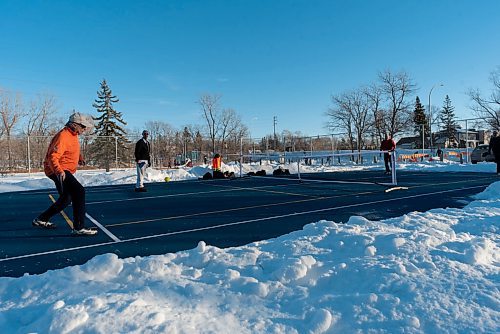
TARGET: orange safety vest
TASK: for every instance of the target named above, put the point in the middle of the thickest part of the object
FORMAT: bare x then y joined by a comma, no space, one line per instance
216,163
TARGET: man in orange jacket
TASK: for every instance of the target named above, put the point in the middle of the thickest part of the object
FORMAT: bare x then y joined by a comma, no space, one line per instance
61,160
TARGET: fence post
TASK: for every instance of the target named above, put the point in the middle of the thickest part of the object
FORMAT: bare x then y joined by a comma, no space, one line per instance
267,150
333,147
116,152
29,157
311,145
241,155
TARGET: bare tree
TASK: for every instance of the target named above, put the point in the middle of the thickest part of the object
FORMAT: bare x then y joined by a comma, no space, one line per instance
11,112
380,128
340,117
40,123
41,116
231,126
163,145
210,108
488,108
397,90
196,137
154,129
351,113
362,118
234,140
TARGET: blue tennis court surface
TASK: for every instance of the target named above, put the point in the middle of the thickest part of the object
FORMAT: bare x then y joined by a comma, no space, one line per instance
177,215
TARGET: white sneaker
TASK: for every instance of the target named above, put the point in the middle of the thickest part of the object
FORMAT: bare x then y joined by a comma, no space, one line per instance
40,223
84,231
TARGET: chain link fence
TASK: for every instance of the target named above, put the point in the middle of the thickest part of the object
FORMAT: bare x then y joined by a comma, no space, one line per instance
27,153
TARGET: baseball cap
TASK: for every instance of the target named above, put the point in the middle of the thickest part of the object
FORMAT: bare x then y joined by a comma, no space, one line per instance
83,119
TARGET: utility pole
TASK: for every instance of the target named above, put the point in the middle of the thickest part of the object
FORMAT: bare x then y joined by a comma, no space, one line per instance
430,118
275,121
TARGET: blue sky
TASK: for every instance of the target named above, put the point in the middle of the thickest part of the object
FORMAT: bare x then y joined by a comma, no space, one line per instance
266,58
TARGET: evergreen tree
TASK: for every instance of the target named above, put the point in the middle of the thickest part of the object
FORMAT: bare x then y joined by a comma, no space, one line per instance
420,118
447,117
198,141
186,135
111,136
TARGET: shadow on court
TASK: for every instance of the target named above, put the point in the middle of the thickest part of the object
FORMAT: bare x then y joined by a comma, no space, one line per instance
175,216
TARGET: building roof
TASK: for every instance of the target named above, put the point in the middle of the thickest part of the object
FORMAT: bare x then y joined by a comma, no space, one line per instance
409,140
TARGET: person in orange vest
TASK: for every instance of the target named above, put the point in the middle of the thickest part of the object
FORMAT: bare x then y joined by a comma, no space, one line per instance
62,158
216,162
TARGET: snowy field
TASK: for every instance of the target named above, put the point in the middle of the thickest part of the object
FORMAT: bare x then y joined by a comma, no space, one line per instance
424,272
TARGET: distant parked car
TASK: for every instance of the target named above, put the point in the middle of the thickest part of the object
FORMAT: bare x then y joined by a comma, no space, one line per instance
480,153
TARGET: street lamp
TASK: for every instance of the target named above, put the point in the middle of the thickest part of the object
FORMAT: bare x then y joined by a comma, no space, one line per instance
423,137
430,117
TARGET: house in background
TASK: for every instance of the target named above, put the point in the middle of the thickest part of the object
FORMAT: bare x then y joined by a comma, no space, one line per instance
471,137
410,143
463,138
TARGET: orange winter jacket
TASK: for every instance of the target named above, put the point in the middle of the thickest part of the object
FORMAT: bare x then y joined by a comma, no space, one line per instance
63,153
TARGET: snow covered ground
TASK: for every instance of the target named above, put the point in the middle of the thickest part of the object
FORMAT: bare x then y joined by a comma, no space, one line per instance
424,272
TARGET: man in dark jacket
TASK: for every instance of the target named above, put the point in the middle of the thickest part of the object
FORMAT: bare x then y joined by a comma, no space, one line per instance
142,159
495,148
387,145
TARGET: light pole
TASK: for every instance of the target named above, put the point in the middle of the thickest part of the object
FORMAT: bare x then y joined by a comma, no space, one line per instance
275,120
423,137
430,117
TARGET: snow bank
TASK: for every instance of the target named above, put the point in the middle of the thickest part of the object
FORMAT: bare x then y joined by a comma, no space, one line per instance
430,272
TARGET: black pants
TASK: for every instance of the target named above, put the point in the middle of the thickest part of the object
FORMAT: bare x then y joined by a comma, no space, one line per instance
387,161
69,191
498,164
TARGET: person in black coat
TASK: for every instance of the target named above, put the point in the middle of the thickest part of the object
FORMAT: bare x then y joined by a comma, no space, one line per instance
142,159
495,148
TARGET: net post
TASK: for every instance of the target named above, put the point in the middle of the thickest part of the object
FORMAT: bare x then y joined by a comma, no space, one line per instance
393,168
298,168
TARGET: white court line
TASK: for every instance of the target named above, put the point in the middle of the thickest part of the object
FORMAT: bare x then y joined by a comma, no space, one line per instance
263,190
223,211
152,197
105,230
305,180
180,195
235,223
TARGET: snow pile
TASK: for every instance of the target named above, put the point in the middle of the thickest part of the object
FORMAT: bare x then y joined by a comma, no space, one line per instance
431,272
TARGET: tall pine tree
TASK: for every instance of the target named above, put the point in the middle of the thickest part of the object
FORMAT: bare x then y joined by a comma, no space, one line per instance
420,118
447,117
111,136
